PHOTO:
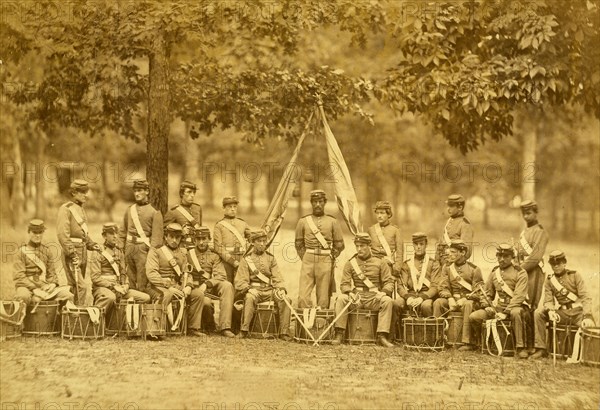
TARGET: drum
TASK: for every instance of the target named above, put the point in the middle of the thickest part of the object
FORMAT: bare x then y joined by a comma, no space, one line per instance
264,323
82,322
316,320
153,320
12,314
125,319
455,328
181,328
424,333
505,338
590,345
565,339
42,319
362,326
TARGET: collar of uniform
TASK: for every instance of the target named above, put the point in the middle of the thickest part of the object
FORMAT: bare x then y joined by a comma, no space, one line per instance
229,217
78,202
173,249
33,244
365,259
142,203
109,246
558,275
258,254
384,224
320,215
458,265
202,252
419,257
458,215
531,223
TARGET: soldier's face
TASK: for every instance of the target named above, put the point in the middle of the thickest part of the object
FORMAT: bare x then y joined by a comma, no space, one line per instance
110,238
202,243
187,197
363,250
230,210
381,215
172,239
260,245
558,266
451,255
420,247
80,196
453,209
141,194
318,206
504,259
36,237
529,215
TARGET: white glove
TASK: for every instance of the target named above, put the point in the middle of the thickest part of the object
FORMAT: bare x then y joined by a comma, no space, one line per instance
553,316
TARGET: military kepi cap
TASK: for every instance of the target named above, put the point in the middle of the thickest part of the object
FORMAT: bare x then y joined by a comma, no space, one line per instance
419,236
504,249
383,205
257,234
110,227
36,226
556,256
458,244
174,227
80,185
362,237
141,184
529,204
202,232
188,184
455,199
318,194
228,200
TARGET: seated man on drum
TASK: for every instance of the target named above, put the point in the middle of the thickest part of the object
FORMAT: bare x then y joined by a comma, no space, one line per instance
34,271
208,276
509,283
258,278
107,269
566,301
167,271
367,282
460,280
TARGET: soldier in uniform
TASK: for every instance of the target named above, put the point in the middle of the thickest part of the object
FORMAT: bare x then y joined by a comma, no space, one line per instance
574,305
187,214
73,235
419,280
167,277
142,228
371,278
386,240
208,275
107,269
509,282
460,280
230,237
34,271
318,242
259,280
457,226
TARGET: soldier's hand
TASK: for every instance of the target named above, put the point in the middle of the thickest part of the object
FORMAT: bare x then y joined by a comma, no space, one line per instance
461,302
417,302
49,287
354,298
452,303
253,292
490,311
176,292
501,315
187,290
553,316
587,322
96,248
120,289
202,288
75,259
236,264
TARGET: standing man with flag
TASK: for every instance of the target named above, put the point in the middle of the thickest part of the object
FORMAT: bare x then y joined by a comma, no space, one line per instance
142,229
188,214
73,235
318,242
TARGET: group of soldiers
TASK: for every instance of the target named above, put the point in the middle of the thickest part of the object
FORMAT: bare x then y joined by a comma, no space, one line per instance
155,259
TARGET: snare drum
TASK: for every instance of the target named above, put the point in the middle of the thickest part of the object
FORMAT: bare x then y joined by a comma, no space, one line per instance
12,314
590,345
181,328
505,335
316,321
565,339
362,326
42,319
455,328
82,322
264,323
125,319
153,320
424,333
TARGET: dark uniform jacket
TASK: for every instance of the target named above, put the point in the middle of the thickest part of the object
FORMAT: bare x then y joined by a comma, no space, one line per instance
226,243
376,270
174,215
27,274
102,272
450,284
211,267
459,227
516,280
329,228
432,273
572,282
537,239
393,237
151,222
159,271
264,263
70,233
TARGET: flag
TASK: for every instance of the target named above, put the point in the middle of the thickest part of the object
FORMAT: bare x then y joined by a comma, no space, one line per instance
343,188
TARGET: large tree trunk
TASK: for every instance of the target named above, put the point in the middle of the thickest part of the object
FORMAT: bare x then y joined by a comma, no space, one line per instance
17,198
40,192
528,169
159,121
192,157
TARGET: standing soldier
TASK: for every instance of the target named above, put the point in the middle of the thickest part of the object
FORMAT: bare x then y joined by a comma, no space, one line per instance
509,282
386,240
166,268
260,280
107,269
370,278
73,235
318,242
574,304
34,271
188,214
208,275
459,281
230,237
420,279
142,229
457,226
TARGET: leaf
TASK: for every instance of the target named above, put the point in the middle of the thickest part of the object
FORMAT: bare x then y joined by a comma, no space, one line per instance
446,114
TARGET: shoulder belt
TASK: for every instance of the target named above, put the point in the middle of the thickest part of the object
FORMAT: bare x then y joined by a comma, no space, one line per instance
461,280
362,276
185,213
135,217
256,272
560,289
503,284
233,230
34,258
384,242
172,261
526,247
78,218
418,278
111,261
316,232
446,234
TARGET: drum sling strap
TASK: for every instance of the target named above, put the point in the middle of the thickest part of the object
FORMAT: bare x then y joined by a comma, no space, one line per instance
503,284
234,231
185,214
135,217
34,258
46,296
112,262
367,282
576,354
462,282
132,314
18,309
173,262
446,235
560,289
309,315
418,278
313,228
79,219
491,328
384,243
93,311
256,272
527,247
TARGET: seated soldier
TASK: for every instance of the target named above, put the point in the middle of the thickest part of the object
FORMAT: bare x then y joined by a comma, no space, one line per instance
574,304
370,278
259,280
34,271
458,287
107,269
419,280
166,277
509,282
209,275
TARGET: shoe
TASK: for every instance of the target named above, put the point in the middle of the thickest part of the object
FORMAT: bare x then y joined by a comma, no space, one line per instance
196,332
154,338
227,333
339,337
285,338
466,348
242,335
539,353
383,341
522,354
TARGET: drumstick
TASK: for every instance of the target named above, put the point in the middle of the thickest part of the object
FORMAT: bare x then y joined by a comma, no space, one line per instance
279,296
335,319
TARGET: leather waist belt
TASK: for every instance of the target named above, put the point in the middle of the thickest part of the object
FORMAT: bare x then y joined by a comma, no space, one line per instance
76,240
134,239
573,305
259,285
365,289
319,251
